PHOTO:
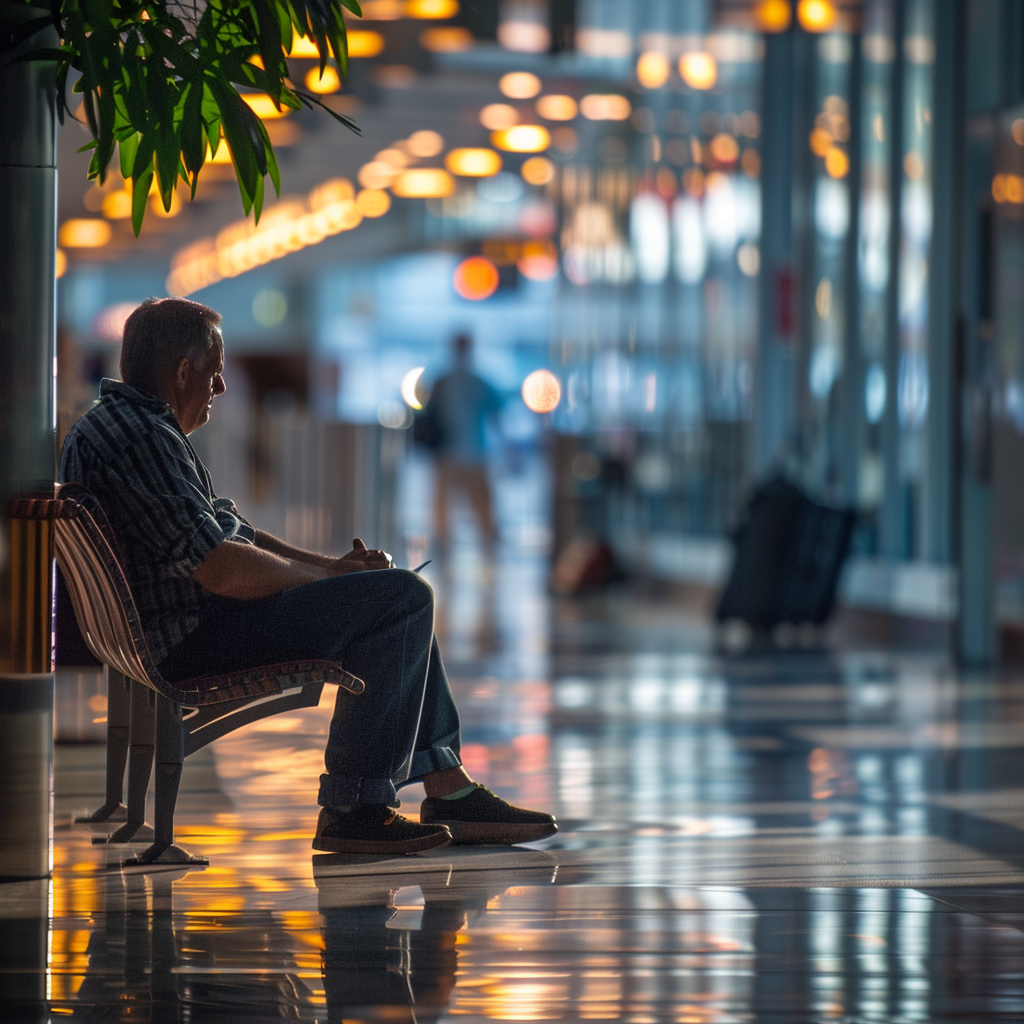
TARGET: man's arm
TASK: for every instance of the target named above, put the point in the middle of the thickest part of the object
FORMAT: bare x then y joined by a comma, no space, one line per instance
247,572
268,542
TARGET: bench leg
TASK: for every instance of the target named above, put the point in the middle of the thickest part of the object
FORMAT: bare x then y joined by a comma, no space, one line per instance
140,764
170,753
118,716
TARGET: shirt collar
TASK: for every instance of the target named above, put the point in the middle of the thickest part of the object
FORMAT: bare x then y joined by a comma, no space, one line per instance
118,387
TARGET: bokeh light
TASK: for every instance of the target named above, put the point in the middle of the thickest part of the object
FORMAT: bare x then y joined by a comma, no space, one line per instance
473,162
425,143
430,9
84,233
409,383
446,39
118,205
519,85
652,69
773,15
476,278
496,116
322,84
605,107
541,391
724,148
538,170
362,43
263,106
699,70
373,202
523,138
816,15
61,263
837,163
424,183
557,107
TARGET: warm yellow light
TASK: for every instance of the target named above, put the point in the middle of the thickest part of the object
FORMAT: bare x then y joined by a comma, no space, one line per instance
473,162
222,156
409,384
373,202
394,157
496,116
427,9
837,163
424,183
476,278
538,170
519,85
330,81
61,263
541,391
816,15
605,107
652,69
84,233
377,174
425,143
699,70
156,204
364,43
383,10
337,190
523,138
446,39
304,47
724,148
539,266
117,205
557,107
820,141
773,15
263,106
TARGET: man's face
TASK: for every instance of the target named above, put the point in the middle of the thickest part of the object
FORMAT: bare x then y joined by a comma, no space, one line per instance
199,389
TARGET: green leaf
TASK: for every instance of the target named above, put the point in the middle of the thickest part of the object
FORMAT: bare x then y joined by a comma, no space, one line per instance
127,151
193,142
140,196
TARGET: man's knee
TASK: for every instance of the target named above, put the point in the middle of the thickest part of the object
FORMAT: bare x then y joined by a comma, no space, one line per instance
414,589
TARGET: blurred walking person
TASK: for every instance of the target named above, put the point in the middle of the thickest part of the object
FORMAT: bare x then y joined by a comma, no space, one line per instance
461,405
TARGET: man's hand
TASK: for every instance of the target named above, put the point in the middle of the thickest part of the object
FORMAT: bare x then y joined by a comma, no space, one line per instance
361,559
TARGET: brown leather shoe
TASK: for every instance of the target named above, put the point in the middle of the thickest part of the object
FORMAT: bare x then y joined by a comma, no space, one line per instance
481,818
375,828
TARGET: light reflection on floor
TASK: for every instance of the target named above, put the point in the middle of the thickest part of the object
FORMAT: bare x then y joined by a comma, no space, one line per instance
796,837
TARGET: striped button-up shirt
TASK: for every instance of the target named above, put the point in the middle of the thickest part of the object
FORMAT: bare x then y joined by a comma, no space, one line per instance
130,452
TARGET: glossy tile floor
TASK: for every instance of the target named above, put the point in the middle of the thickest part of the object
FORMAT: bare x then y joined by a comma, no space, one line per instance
796,837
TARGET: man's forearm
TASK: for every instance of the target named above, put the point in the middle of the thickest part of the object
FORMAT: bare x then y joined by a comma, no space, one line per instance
246,572
268,542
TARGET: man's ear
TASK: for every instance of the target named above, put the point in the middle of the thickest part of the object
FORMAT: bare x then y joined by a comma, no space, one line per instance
181,372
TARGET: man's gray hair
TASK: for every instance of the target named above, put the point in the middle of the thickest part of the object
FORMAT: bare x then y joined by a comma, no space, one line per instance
162,332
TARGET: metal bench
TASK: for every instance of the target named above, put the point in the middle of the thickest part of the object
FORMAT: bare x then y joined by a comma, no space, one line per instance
147,714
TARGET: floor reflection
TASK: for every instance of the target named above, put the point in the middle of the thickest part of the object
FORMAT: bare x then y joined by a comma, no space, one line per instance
801,837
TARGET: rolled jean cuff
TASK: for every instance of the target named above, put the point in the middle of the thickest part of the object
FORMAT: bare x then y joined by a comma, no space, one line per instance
340,792
436,759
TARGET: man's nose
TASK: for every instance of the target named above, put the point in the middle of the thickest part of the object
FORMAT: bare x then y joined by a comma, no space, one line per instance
219,387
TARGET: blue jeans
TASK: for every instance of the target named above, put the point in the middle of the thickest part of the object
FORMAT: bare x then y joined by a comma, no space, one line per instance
380,626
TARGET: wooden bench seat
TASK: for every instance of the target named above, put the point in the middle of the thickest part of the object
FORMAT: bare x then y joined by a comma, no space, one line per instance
146,714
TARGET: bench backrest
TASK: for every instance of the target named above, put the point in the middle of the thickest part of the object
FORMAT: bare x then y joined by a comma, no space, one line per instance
99,591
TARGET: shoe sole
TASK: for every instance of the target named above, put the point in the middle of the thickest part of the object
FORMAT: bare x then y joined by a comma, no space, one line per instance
435,841
496,833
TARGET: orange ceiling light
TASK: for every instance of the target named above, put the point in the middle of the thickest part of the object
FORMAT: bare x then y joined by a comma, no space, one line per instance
699,70
424,183
263,106
373,202
816,15
496,116
520,85
652,69
773,15
557,107
330,81
364,43
446,39
541,391
523,138
84,233
425,143
538,170
473,162
605,107
429,10
476,278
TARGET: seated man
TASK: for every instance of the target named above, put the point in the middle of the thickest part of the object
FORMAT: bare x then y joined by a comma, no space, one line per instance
216,595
